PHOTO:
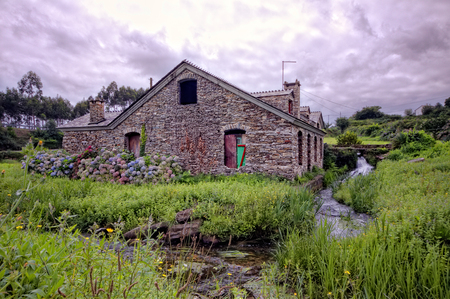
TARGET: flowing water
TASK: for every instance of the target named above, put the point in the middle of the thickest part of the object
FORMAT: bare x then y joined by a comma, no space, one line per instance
344,220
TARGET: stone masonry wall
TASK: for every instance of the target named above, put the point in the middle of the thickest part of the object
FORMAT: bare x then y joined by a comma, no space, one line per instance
280,102
195,132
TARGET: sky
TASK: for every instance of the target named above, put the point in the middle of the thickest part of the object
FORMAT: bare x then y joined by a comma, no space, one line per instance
349,54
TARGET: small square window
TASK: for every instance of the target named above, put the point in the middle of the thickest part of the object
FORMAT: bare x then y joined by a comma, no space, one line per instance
188,92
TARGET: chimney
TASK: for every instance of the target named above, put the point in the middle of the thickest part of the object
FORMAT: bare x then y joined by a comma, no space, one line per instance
96,110
296,87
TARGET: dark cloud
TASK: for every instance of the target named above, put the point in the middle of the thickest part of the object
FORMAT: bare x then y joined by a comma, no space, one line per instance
391,53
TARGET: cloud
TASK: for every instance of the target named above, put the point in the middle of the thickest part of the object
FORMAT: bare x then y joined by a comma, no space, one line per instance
389,53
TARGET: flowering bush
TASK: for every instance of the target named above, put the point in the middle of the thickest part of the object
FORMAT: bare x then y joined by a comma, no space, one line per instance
106,166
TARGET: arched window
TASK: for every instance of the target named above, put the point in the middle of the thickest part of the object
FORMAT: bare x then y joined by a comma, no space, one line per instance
300,147
133,143
235,148
308,144
315,149
188,92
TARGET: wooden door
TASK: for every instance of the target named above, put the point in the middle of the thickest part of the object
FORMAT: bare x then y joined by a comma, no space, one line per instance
230,151
135,144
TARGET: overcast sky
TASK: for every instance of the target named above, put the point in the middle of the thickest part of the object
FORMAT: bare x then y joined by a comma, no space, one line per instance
391,53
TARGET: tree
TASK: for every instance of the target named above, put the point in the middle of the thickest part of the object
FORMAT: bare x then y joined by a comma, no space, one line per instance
408,112
368,113
30,87
81,108
342,123
447,103
427,109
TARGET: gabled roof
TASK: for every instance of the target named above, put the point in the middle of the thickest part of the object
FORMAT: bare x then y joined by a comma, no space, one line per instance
316,116
83,121
181,67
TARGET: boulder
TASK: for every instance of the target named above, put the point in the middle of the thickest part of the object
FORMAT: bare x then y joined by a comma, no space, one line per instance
141,231
182,231
183,216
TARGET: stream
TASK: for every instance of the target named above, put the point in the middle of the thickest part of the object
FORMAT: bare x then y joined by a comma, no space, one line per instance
215,269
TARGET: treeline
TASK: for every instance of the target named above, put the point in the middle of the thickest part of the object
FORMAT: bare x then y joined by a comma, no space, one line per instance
26,106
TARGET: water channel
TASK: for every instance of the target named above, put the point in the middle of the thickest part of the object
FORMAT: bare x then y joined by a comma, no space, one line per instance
240,264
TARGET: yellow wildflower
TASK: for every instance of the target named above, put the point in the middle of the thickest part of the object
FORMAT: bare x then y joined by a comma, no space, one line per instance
9,194
109,230
329,293
346,272
39,225
229,274
40,142
19,227
164,275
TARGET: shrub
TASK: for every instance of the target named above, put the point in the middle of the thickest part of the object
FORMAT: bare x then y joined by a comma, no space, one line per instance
105,166
413,142
349,138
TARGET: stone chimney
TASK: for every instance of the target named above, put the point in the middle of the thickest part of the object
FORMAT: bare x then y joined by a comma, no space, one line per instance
96,110
296,88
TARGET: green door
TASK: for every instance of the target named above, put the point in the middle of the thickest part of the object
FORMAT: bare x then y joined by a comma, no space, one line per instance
240,155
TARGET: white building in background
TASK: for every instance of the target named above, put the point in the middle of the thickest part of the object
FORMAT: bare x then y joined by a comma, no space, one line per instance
418,111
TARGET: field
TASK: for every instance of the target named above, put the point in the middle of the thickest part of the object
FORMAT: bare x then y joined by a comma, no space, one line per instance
365,140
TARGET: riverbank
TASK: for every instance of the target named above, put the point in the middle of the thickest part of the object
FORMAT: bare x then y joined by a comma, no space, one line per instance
403,253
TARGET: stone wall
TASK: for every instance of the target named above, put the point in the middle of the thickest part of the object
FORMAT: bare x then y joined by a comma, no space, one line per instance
280,102
195,132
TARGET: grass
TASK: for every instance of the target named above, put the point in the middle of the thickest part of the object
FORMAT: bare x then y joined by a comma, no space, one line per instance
365,140
403,254
245,207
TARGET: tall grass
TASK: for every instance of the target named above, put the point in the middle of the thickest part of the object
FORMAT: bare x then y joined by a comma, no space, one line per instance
372,265
402,254
245,206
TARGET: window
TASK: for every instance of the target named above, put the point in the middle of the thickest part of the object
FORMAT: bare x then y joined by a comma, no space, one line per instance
300,148
234,141
188,92
290,107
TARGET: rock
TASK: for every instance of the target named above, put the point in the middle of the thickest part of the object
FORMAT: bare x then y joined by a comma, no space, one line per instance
141,231
181,231
416,160
210,240
183,216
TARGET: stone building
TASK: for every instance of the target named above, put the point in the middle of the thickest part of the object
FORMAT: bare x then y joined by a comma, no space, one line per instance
212,125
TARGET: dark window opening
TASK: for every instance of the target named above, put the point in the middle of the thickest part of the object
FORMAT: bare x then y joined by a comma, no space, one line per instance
188,92
290,106
300,148
308,145
315,150
235,148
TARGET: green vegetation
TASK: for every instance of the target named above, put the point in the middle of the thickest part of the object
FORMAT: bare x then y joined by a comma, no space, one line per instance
347,139
240,206
365,140
404,252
